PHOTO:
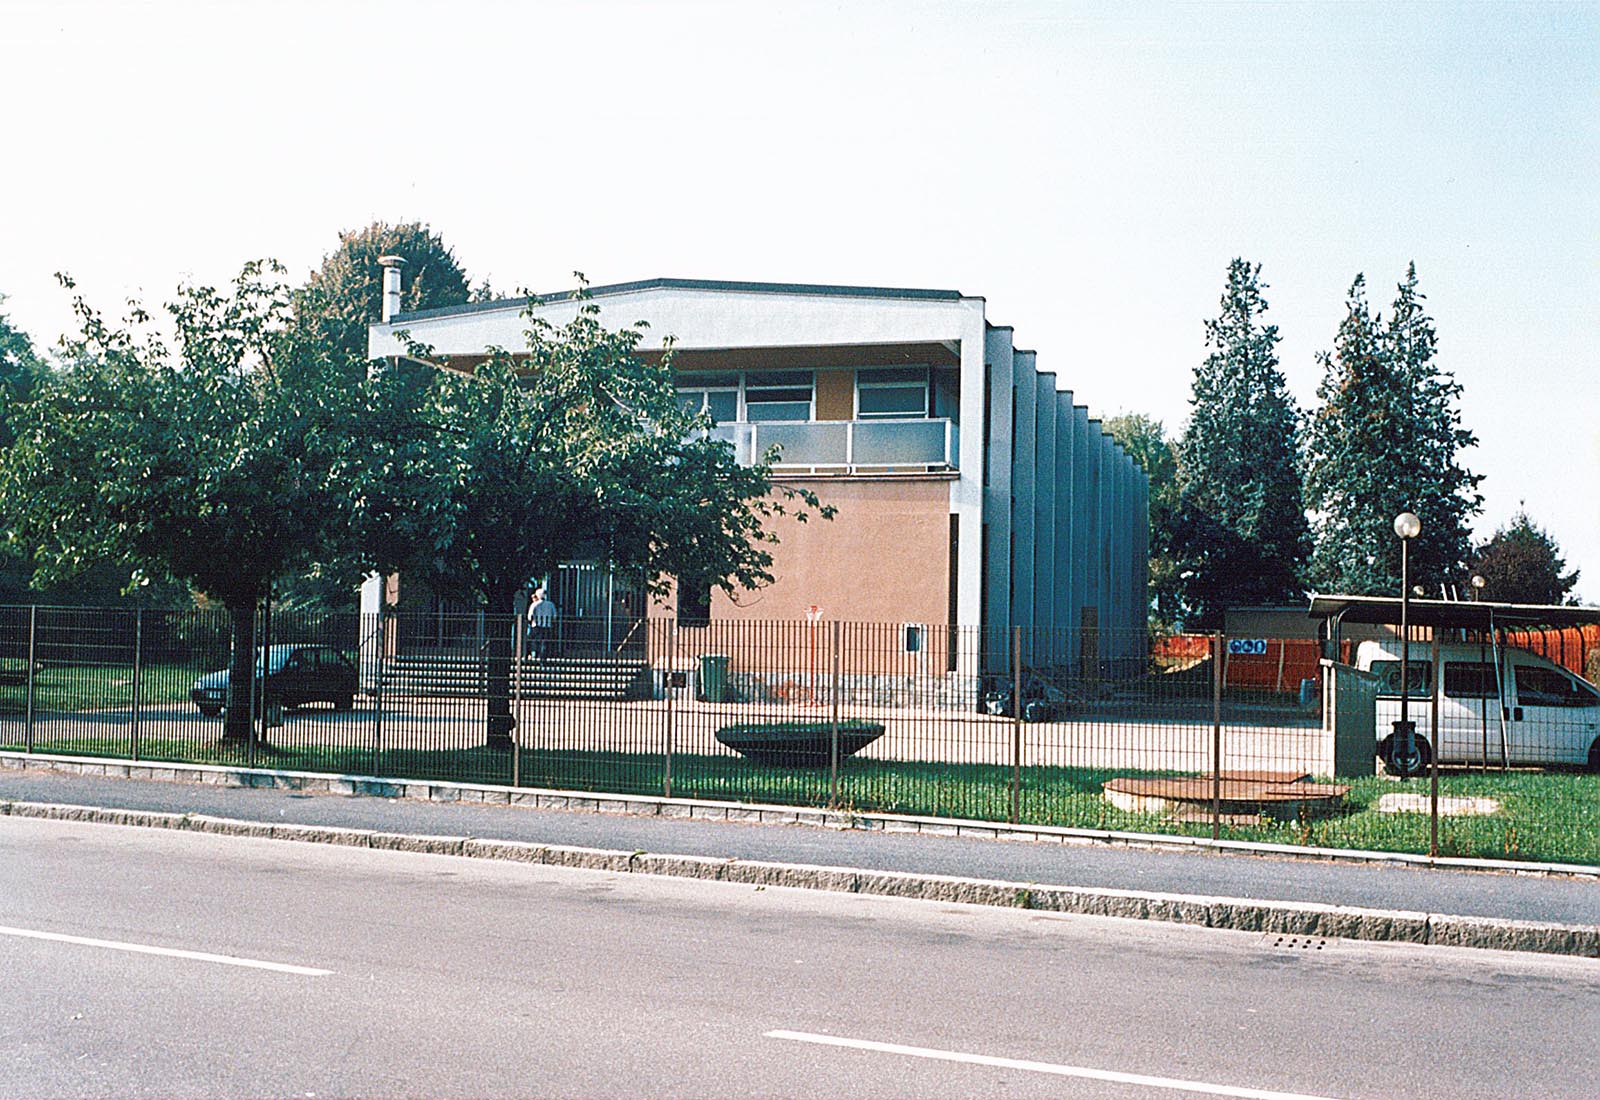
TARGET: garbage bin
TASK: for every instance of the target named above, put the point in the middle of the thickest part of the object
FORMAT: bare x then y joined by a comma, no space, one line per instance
714,677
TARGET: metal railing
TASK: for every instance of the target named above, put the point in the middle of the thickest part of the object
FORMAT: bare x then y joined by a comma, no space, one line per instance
1266,739
847,445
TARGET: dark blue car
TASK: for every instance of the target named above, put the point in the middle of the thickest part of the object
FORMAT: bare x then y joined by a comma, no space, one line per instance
296,675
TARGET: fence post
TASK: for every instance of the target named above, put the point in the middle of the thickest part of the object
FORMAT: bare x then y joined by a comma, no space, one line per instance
833,722
33,636
1218,659
1433,766
671,627
1016,723
138,669
516,697
377,688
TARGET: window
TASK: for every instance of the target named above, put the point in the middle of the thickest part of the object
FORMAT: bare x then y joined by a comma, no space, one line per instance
1548,687
694,602
717,394
778,395
1473,680
894,393
1418,675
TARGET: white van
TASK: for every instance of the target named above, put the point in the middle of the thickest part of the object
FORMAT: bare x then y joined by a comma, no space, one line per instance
1521,709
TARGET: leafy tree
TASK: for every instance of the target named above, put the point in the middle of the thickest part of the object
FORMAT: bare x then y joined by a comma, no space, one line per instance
1145,439
1241,530
20,372
345,294
576,445
1521,563
1387,439
217,463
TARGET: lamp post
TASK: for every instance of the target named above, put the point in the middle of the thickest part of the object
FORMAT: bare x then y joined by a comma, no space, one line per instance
1477,586
1408,527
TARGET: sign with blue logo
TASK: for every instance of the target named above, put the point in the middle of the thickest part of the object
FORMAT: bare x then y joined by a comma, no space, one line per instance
1247,647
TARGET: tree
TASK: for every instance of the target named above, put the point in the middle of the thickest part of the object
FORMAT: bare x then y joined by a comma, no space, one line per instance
1241,527
1145,439
20,374
576,445
217,464
1521,563
345,294
1387,439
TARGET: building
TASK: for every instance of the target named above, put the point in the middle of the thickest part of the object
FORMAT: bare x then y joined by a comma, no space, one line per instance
971,490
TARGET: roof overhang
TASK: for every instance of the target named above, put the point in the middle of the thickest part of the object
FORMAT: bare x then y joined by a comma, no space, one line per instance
1385,610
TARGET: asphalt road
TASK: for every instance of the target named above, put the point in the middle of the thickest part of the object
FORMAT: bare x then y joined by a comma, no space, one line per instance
1384,886
317,971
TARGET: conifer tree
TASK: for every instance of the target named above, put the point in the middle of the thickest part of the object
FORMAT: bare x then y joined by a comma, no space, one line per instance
1241,529
1387,439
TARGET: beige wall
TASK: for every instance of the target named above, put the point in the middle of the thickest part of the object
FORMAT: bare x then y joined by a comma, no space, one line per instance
884,557
836,394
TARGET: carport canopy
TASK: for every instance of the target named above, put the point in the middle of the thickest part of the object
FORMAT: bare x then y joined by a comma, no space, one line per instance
1385,610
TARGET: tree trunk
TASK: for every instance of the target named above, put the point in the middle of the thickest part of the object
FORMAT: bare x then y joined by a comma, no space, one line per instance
501,625
236,724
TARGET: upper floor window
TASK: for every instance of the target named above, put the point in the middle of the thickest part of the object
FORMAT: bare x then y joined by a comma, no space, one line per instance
883,394
778,395
717,394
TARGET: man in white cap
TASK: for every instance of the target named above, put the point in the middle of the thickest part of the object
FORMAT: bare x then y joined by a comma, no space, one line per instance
542,616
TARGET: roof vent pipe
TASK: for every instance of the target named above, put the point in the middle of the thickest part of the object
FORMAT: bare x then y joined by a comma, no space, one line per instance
391,285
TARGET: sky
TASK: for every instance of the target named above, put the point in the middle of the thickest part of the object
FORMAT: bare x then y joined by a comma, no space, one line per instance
1088,169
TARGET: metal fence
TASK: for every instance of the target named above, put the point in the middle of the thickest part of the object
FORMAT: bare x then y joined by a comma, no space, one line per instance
1249,738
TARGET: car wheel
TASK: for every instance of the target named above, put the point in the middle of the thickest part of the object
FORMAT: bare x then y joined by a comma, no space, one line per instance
1406,765
344,702
210,712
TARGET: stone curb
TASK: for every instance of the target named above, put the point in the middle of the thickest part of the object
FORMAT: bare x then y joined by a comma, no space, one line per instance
656,806
1234,914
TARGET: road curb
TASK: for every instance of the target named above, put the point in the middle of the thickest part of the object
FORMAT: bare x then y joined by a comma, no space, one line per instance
1234,914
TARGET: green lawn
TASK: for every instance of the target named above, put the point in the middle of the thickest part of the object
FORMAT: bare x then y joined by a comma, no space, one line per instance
1545,816
97,687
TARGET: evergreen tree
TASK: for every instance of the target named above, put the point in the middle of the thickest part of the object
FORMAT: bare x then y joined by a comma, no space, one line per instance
1523,564
1241,528
1385,440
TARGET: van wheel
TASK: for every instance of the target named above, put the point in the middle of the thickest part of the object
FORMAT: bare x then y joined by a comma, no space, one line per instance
1398,762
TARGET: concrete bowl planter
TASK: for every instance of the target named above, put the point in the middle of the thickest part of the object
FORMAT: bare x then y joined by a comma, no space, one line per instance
797,744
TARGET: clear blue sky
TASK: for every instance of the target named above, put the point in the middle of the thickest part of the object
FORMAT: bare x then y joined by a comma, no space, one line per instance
1089,169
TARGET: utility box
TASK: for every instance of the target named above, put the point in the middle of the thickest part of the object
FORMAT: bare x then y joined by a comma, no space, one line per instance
1349,718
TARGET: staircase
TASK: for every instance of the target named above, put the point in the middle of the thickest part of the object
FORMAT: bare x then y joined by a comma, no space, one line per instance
438,676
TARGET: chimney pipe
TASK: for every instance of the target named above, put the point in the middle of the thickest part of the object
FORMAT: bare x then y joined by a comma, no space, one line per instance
391,285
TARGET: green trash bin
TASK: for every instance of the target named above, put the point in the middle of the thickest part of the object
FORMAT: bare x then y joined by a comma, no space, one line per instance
714,677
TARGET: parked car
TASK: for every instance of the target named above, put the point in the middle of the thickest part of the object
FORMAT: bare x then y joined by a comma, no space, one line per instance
295,675
1511,707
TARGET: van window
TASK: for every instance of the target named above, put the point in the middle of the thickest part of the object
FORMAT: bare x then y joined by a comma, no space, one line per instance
1474,680
1418,675
1549,687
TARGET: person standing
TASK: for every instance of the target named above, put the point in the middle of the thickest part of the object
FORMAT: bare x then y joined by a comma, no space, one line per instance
543,614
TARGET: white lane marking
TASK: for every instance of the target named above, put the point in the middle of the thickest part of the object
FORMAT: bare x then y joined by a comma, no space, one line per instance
1045,1067
170,952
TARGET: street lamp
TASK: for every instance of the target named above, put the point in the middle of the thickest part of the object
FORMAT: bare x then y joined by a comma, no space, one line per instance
1477,586
1408,527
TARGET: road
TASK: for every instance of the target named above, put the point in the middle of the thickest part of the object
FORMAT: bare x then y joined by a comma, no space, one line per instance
316,971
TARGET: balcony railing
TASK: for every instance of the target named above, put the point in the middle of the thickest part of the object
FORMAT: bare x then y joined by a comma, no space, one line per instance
847,446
